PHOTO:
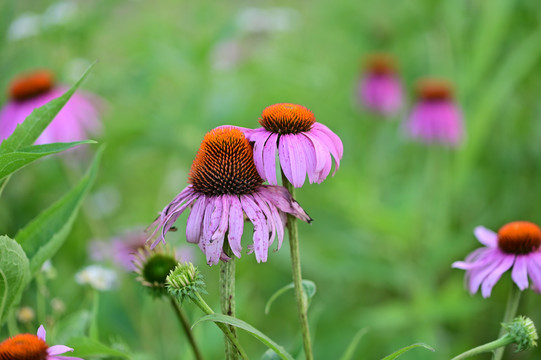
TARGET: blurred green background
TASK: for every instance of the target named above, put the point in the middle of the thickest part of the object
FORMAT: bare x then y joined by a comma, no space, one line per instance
387,226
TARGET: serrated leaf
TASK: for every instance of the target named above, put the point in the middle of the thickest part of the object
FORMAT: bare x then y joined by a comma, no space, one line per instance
308,286
27,132
14,274
350,351
406,349
44,235
13,161
83,346
279,350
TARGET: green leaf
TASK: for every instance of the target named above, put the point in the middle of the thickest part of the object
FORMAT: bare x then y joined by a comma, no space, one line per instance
83,346
407,348
13,161
350,351
27,132
14,274
308,286
44,235
279,350
270,355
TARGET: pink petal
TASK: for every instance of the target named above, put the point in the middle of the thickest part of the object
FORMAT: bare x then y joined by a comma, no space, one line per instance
496,274
42,333
486,237
269,159
520,272
261,231
236,225
195,220
285,161
296,158
282,199
58,349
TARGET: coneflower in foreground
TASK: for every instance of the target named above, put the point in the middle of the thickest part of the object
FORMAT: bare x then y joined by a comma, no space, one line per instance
304,145
77,120
516,245
435,118
380,89
225,186
28,346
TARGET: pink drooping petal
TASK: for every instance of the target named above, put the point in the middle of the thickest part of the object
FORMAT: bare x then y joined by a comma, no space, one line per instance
213,215
261,231
195,220
478,275
296,159
477,259
310,157
269,159
58,349
285,161
519,274
42,334
495,275
486,236
224,221
336,142
236,225
277,220
259,147
264,206
534,271
323,156
282,199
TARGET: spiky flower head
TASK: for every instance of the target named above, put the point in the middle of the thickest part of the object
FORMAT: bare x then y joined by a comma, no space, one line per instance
522,330
185,281
152,267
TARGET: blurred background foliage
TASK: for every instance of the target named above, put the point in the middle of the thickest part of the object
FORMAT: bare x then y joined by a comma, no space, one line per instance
389,224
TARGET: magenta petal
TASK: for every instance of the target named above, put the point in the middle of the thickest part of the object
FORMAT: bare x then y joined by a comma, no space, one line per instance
285,161
310,157
486,236
58,349
269,159
261,231
519,274
42,334
195,219
478,275
282,199
495,275
335,140
296,158
534,271
278,223
236,225
224,221
213,247
259,146
264,206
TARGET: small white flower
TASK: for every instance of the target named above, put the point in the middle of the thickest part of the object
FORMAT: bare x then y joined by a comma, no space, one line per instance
59,13
98,277
26,25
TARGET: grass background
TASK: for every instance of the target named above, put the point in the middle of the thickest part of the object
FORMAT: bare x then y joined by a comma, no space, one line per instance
387,226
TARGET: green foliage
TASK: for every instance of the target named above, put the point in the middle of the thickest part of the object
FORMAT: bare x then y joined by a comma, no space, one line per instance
350,350
16,160
26,133
400,352
14,273
309,290
44,235
84,346
279,350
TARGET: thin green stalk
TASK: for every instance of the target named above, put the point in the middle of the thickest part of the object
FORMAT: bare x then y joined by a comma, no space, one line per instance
198,300
227,297
496,344
187,329
41,293
510,312
300,296
13,329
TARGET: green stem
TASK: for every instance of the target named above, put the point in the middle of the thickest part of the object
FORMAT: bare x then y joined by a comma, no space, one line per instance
13,329
187,329
41,293
496,344
510,312
227,297
300,296
3,184
94,330
198,300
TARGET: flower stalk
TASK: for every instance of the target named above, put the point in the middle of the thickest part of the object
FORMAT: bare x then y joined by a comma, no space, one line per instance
510,312
300,296
227,298
183,319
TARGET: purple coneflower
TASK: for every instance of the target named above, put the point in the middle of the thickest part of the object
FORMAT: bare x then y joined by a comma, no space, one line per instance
380,88
515,245
28,346
76,121
225,186
304,145
435,118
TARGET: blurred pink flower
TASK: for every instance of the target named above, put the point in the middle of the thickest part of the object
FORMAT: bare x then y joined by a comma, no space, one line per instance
436,118
122,249
380,88
28,346
77,120
224,187
304,145
516,246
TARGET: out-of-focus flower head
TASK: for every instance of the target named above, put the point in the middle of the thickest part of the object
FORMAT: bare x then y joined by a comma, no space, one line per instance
435,118
98,277
153,265
29,346
77,120
259,20
516,246
304,146
380,88
225,186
